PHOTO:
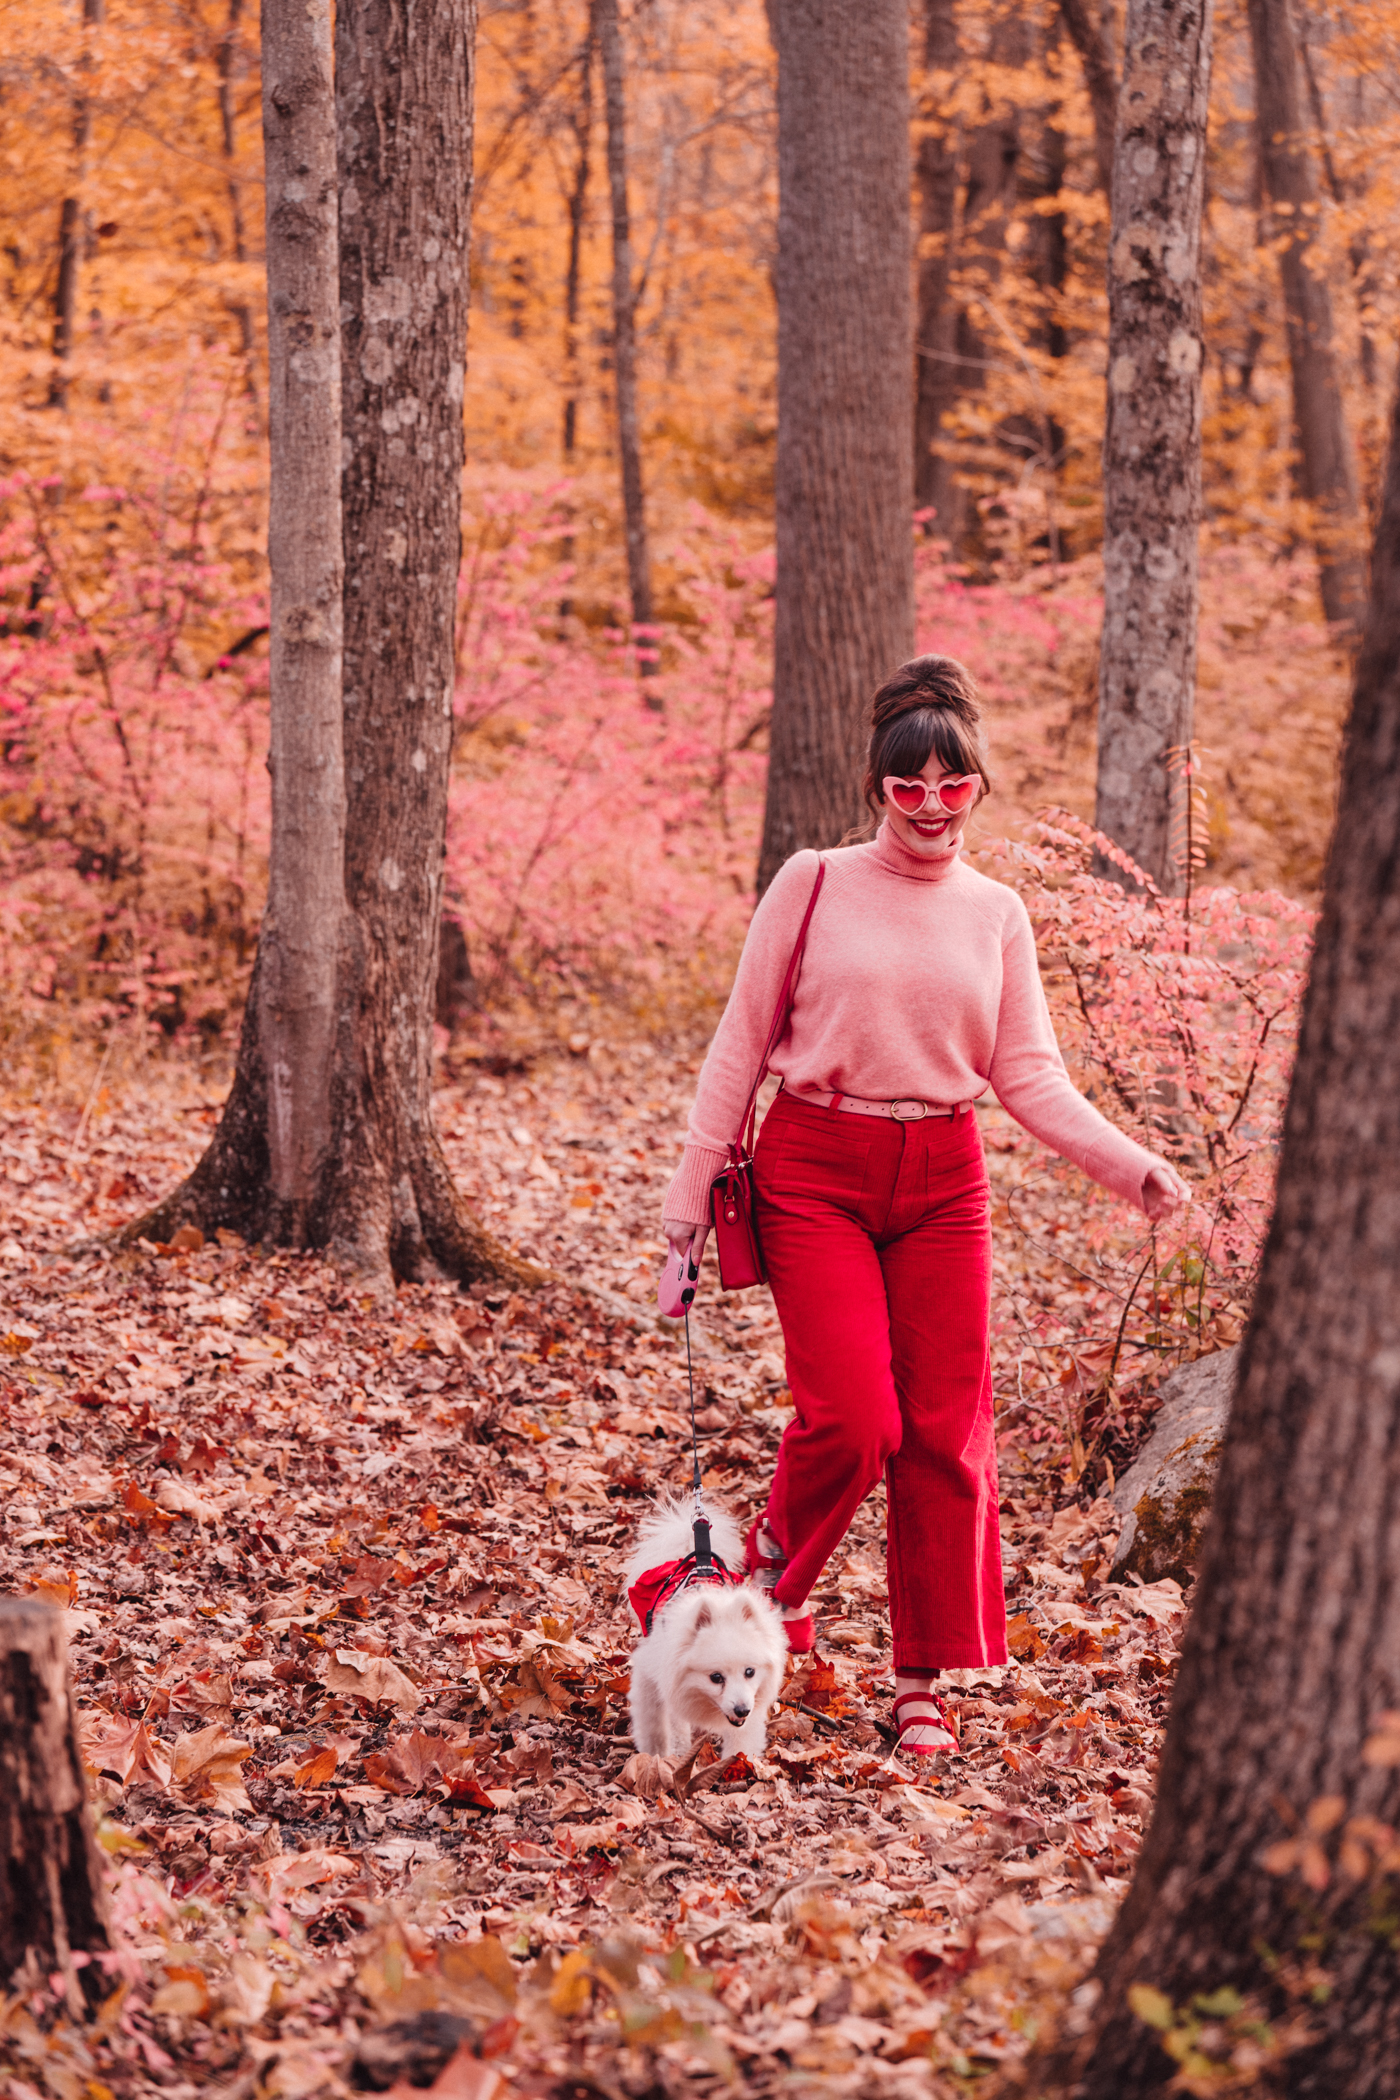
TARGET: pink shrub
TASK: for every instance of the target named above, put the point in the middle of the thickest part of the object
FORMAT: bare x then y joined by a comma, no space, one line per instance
1179,1018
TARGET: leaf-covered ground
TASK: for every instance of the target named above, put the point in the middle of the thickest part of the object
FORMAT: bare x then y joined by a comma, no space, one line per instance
342,1589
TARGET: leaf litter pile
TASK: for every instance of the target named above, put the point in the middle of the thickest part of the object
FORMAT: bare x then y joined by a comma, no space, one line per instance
341,1585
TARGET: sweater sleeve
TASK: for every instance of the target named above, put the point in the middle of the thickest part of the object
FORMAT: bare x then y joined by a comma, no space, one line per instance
732,1059
1029,1076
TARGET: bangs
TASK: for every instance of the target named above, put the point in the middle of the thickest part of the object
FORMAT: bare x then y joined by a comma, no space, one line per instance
921,734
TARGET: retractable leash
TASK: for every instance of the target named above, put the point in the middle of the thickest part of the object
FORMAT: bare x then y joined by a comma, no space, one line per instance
675,1298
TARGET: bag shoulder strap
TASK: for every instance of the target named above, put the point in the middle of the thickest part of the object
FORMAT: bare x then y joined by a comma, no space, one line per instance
742,1147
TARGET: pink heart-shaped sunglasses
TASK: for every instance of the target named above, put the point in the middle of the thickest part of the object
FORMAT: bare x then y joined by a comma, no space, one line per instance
953,793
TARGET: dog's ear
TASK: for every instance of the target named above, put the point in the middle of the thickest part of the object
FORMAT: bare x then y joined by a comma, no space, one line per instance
704,1617
747,1612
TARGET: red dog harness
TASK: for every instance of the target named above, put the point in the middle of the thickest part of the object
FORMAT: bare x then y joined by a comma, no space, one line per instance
659,1585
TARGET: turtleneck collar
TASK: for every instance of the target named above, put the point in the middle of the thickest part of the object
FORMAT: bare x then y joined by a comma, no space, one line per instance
900,861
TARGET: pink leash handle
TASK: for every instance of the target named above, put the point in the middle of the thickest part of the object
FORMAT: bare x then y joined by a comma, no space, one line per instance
676,1291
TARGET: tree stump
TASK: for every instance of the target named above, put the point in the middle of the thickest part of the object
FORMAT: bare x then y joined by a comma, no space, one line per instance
52,1900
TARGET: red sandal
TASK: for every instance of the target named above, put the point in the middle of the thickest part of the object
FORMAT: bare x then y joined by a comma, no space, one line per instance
934,1717
764,1570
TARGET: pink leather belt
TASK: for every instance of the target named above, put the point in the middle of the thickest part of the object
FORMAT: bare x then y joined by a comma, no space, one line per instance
903,1109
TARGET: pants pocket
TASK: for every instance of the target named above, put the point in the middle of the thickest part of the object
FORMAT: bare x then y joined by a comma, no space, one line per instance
827,1160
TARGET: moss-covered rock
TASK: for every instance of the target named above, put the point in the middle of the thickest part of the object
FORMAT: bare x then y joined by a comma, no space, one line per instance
1165,1494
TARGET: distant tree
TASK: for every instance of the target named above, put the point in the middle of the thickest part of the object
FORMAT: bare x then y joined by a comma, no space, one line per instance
226,56
1325,451
969,179
936,329
74,230
581,124
327,1138
1090,27
844,611
1270,1866
608,31
1152,434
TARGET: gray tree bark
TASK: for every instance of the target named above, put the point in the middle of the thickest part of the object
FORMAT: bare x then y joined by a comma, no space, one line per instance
629,442
1152,434
1292,1653
845,598
53,1904
1324,444
327,1138
404,86
303,921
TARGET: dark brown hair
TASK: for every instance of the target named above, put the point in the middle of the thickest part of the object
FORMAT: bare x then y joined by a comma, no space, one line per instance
926,709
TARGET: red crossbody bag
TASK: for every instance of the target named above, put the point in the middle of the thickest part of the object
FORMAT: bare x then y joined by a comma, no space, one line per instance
732,1211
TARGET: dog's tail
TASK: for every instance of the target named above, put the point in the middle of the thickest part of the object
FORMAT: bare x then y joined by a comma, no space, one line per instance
668,1533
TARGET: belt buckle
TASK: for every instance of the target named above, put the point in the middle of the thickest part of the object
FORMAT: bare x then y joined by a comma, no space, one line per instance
908,1111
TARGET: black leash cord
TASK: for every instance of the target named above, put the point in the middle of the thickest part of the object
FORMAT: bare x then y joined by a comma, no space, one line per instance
702,1522
694,1439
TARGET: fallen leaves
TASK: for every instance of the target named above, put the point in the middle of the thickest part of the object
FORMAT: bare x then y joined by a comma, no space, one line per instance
371,1677
352,1655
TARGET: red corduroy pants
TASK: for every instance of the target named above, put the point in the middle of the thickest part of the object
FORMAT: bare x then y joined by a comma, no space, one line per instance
878,1248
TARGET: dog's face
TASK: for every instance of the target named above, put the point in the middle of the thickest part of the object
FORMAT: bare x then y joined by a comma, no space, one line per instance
725,1662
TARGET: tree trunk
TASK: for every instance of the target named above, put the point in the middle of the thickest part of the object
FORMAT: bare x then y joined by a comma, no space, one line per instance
845,598
609,35
1324,445
935,346
404,91
303,922
1090,31
73,232
582,123
239,308
1291,1662
1152,433
53,1904
327,1138
1358,247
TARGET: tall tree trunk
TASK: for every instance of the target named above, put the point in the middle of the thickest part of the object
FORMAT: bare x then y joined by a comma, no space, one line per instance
935,343
1091,32
242,313
53,1904
1152,434
1324,444
73,234
845,591
1291,1661
404,85
327,1138
302,926
609,34
581,119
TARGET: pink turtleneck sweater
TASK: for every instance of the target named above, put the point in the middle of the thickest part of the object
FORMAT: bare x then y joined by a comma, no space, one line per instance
919,980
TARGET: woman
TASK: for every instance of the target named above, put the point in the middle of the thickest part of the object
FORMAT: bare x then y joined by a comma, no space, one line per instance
918,988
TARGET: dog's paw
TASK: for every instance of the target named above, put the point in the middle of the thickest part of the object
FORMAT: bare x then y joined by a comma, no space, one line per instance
647,1776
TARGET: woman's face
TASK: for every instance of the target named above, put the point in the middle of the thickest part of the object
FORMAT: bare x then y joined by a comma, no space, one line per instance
933,833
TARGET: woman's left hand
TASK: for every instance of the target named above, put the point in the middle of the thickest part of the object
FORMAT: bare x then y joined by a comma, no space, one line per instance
1163,1191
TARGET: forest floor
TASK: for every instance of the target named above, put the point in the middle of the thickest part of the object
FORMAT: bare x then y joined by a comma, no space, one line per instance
341,1580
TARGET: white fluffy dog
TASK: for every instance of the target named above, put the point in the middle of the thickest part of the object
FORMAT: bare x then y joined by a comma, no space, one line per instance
713,1661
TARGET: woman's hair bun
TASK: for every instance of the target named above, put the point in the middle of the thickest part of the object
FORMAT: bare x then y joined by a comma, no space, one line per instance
926,709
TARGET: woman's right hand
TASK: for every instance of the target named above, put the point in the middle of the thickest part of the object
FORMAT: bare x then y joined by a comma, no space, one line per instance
683,1233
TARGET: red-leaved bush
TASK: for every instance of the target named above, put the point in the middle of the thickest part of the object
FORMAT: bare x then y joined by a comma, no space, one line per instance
1178,1017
